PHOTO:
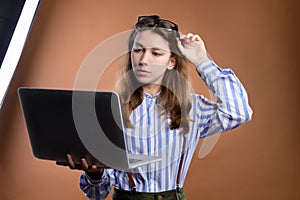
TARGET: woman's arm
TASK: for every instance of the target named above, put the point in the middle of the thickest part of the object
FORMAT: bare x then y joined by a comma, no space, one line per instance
95,181
231,108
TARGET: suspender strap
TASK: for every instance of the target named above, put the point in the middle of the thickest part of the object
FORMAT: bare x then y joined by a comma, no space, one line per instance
181,163
132,183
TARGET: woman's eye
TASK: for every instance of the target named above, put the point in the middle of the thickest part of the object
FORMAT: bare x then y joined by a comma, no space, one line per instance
137,50
156,54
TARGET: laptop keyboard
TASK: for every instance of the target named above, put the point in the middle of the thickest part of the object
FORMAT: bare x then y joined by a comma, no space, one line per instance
133,160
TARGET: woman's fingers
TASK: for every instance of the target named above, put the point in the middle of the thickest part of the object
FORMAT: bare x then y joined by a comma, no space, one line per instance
189,41
89,168
193,48
196,38
84,163
190,38
83,166
94,166
70,161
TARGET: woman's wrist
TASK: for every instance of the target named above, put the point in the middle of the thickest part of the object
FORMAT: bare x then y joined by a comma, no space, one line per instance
94,175
200,60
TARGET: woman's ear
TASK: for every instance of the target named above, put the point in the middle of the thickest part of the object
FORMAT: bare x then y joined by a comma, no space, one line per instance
172,63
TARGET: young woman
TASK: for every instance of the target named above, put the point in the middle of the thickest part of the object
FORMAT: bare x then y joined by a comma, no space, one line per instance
161,114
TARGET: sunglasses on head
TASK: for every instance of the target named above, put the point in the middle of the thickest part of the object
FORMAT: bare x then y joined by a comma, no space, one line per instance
156,21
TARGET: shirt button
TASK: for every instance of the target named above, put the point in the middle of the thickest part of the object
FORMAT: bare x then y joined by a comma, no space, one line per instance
159,197
151,132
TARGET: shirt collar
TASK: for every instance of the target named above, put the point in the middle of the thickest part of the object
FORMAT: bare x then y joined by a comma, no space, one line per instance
146,95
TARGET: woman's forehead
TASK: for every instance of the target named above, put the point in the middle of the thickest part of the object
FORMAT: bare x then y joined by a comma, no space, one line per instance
151,40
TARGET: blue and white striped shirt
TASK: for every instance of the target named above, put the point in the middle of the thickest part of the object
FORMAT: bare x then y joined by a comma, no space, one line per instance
151,135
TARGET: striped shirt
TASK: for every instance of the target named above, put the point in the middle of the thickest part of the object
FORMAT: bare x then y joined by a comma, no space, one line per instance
151,135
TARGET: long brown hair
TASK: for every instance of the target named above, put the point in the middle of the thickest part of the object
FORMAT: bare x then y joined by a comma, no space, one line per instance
175,95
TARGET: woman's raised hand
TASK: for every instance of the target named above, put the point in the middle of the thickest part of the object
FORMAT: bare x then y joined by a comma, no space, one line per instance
193,48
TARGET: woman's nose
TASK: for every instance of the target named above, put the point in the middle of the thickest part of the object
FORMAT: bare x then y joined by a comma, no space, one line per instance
145,58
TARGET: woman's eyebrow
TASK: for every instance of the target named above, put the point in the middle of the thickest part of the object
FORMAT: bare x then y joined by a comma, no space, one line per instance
159,49
153,48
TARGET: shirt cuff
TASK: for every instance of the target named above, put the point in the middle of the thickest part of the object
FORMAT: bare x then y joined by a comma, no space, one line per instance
205,65
207,68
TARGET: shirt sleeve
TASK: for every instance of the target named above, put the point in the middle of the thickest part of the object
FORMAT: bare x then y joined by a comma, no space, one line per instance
97,189
231,107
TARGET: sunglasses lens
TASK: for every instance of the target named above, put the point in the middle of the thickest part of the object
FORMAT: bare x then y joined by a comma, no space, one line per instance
167,25
146,22
151,21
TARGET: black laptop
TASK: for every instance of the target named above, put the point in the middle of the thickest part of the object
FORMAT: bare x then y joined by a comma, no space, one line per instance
81,123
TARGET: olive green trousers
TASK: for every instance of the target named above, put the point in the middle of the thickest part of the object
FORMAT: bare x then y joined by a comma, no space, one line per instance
177,194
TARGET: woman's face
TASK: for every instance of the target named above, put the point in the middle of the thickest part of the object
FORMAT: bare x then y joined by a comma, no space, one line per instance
150,57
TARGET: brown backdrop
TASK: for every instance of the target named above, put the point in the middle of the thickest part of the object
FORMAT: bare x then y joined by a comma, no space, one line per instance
258,39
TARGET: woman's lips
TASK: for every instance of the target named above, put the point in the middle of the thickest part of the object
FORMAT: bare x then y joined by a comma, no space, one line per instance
142,72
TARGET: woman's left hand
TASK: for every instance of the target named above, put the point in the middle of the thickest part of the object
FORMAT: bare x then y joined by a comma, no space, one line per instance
193,48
